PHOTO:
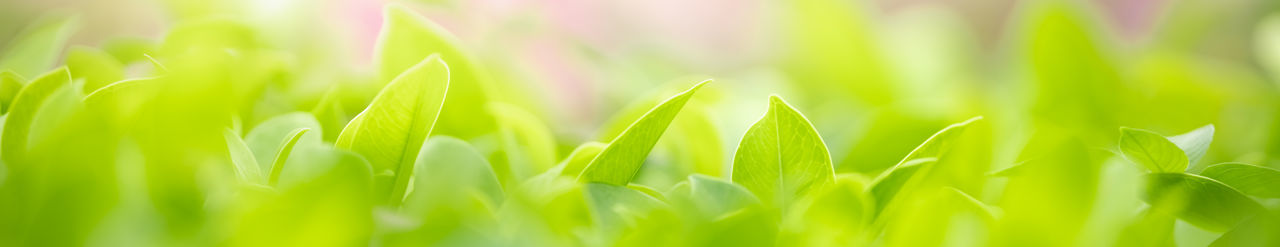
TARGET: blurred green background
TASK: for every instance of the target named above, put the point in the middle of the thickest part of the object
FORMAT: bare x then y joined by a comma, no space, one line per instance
1054,81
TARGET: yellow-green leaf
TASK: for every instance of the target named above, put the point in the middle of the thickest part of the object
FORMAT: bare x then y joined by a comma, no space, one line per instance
243,164
10,84
618,163
36,49
1201,201
390,132
23,110
95,67
1249,179
782,156
277,164
1152,151
405,39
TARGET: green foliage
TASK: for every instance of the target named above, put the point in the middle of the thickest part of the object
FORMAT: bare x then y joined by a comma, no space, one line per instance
241,128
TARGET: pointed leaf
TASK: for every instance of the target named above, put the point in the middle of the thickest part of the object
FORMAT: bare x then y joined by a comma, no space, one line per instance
618,163
36,49
1152,151
1194,143
265,139
1201,201
1249,179
18,123
10,84
782,156
405,39
95,67
286,148
390,132
244,165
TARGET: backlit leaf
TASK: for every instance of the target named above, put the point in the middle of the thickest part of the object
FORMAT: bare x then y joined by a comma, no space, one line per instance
1194,143
1249,179
38,46
23,110
1152,151
95,67
782,157
618,163
282,155
390,132
244,165
1200,201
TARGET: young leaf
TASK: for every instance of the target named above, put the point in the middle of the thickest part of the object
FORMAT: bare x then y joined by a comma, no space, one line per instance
330,113
95,67
885,188
1200,201
265,139
244,165
390,132
581,157
1249,179
527,143
782,157
716,197
1152,151
10,84
1258,231
286,148
18,123
1194,143
38,46
449,170
119,102
405,39
618,163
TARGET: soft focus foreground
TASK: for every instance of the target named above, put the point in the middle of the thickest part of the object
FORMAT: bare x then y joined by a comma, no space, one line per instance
639,123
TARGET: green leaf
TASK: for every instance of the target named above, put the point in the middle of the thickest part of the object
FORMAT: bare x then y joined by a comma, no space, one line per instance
618,163
1201,201
267,138
405,39
1259,231
903,176
120,102
244,165
1268,43
23,110
617,210
886,187
527,143
1249,179
95,67
390,132
1194,143
10,84
781,157
330,113
1152,151
286,148
716,197
38,46
449,170
581,157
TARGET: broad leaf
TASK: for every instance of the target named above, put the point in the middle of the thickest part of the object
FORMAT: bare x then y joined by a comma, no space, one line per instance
95,67
244,165
618,163
1249,179
448,168
1152,151
10,84
405,39
282,155
527,144
1200,201
782,157
265,139
36,49
390,132
1194,143
716,197
23,110
1259,231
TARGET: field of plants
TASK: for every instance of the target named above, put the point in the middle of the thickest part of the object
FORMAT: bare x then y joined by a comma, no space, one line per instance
583,123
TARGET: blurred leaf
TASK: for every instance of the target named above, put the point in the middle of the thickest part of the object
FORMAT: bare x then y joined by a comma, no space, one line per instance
330,113
618,163
10,84
22,113
1194,143
448,170
1200,201
405,39
619,212
1267,44
1249,179
716,197
391,131
286,148
782,157
120,102
581,157
1258,231
889,184
245,166
1152,151
527,142
267,139
39,45
95,67
129,50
